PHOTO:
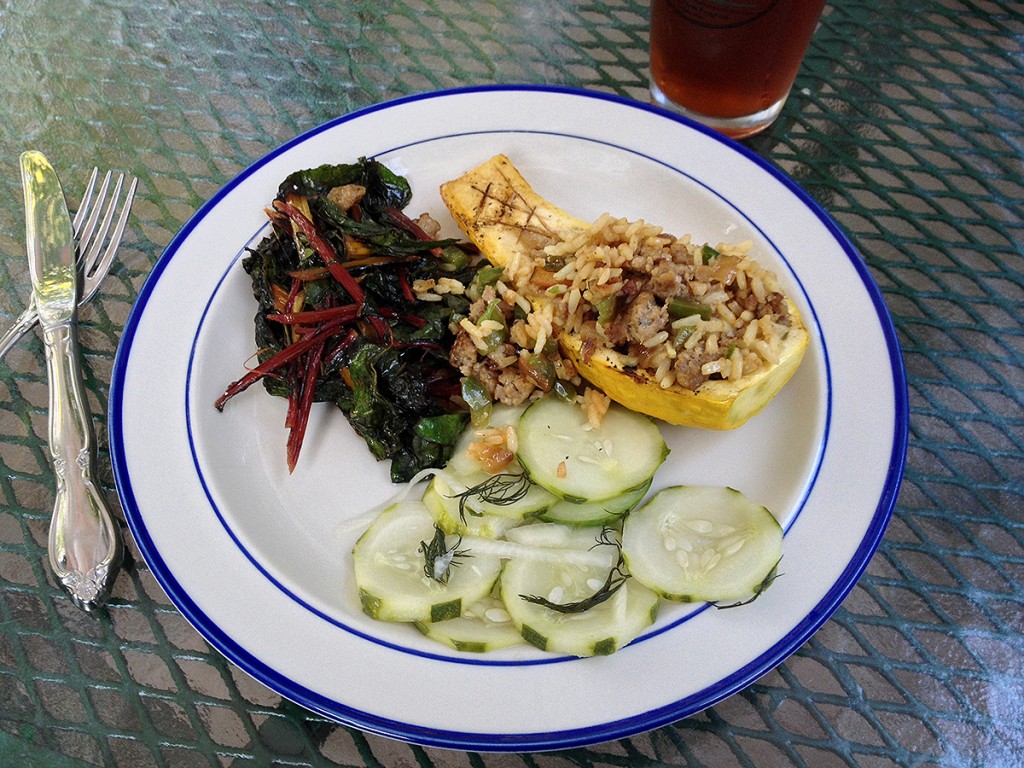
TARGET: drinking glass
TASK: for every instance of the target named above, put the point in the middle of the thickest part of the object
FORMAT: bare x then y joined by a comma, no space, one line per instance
729,64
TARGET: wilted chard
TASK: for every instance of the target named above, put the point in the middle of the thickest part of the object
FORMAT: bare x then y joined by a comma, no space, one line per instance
338,320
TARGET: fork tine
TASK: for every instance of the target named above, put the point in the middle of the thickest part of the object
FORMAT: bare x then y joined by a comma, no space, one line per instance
122,220
94,243
100,265
83,205
90,225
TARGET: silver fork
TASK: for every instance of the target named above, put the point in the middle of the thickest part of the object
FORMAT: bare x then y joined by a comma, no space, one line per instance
94,261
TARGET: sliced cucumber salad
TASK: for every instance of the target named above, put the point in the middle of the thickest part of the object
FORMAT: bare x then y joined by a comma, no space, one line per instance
551,549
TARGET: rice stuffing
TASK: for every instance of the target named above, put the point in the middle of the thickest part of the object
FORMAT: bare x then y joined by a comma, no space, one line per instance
684,312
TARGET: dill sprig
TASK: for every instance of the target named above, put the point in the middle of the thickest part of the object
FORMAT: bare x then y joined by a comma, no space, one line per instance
501,489
617,576
439,558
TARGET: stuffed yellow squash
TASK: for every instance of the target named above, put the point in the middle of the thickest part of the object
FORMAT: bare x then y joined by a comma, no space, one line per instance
689,333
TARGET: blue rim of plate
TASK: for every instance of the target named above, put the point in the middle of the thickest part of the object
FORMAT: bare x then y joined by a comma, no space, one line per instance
236,653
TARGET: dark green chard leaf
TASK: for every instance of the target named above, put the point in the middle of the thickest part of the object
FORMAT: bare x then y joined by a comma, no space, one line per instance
319,292
385,285
266,265
435,317
385,404
372,415
313,182
402,381
384,189
418,455
443,430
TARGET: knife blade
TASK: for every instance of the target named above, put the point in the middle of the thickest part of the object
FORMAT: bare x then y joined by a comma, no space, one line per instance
50,240
85,546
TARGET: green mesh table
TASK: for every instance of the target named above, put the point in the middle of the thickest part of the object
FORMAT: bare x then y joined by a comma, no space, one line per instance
905,124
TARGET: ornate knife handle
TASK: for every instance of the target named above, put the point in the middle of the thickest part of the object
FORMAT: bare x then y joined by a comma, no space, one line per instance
85,541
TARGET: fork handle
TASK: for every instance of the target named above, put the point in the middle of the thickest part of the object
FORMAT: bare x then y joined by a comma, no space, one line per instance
21,326
84,542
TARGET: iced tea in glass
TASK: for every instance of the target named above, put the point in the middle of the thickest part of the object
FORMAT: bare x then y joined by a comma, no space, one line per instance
729,63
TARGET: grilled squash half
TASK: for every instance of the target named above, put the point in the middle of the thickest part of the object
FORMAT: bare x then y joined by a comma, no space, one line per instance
503,216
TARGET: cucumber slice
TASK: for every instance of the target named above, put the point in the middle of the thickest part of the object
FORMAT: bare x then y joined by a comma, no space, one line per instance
593,513
576,462
696,543
460,462
484,626
438,499
599,630
389,570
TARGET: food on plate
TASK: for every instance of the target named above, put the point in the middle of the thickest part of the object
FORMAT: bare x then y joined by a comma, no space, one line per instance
483,626
686,332
533,527
355,303
564,580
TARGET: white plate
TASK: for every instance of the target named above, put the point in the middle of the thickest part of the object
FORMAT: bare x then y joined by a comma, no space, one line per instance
259,561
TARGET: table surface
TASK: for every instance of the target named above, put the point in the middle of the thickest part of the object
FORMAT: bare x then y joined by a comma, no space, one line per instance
905,125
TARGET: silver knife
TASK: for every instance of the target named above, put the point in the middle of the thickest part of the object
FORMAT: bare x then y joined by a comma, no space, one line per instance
85,541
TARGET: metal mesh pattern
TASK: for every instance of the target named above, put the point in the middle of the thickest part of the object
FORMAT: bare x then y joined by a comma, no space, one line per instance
905,123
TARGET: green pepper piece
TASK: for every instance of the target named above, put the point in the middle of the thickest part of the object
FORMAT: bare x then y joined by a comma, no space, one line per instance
606,310
682,335
484,276
476,397
540,370
456,258
678,308
444,429
499,336
564,390
708,254
554,263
